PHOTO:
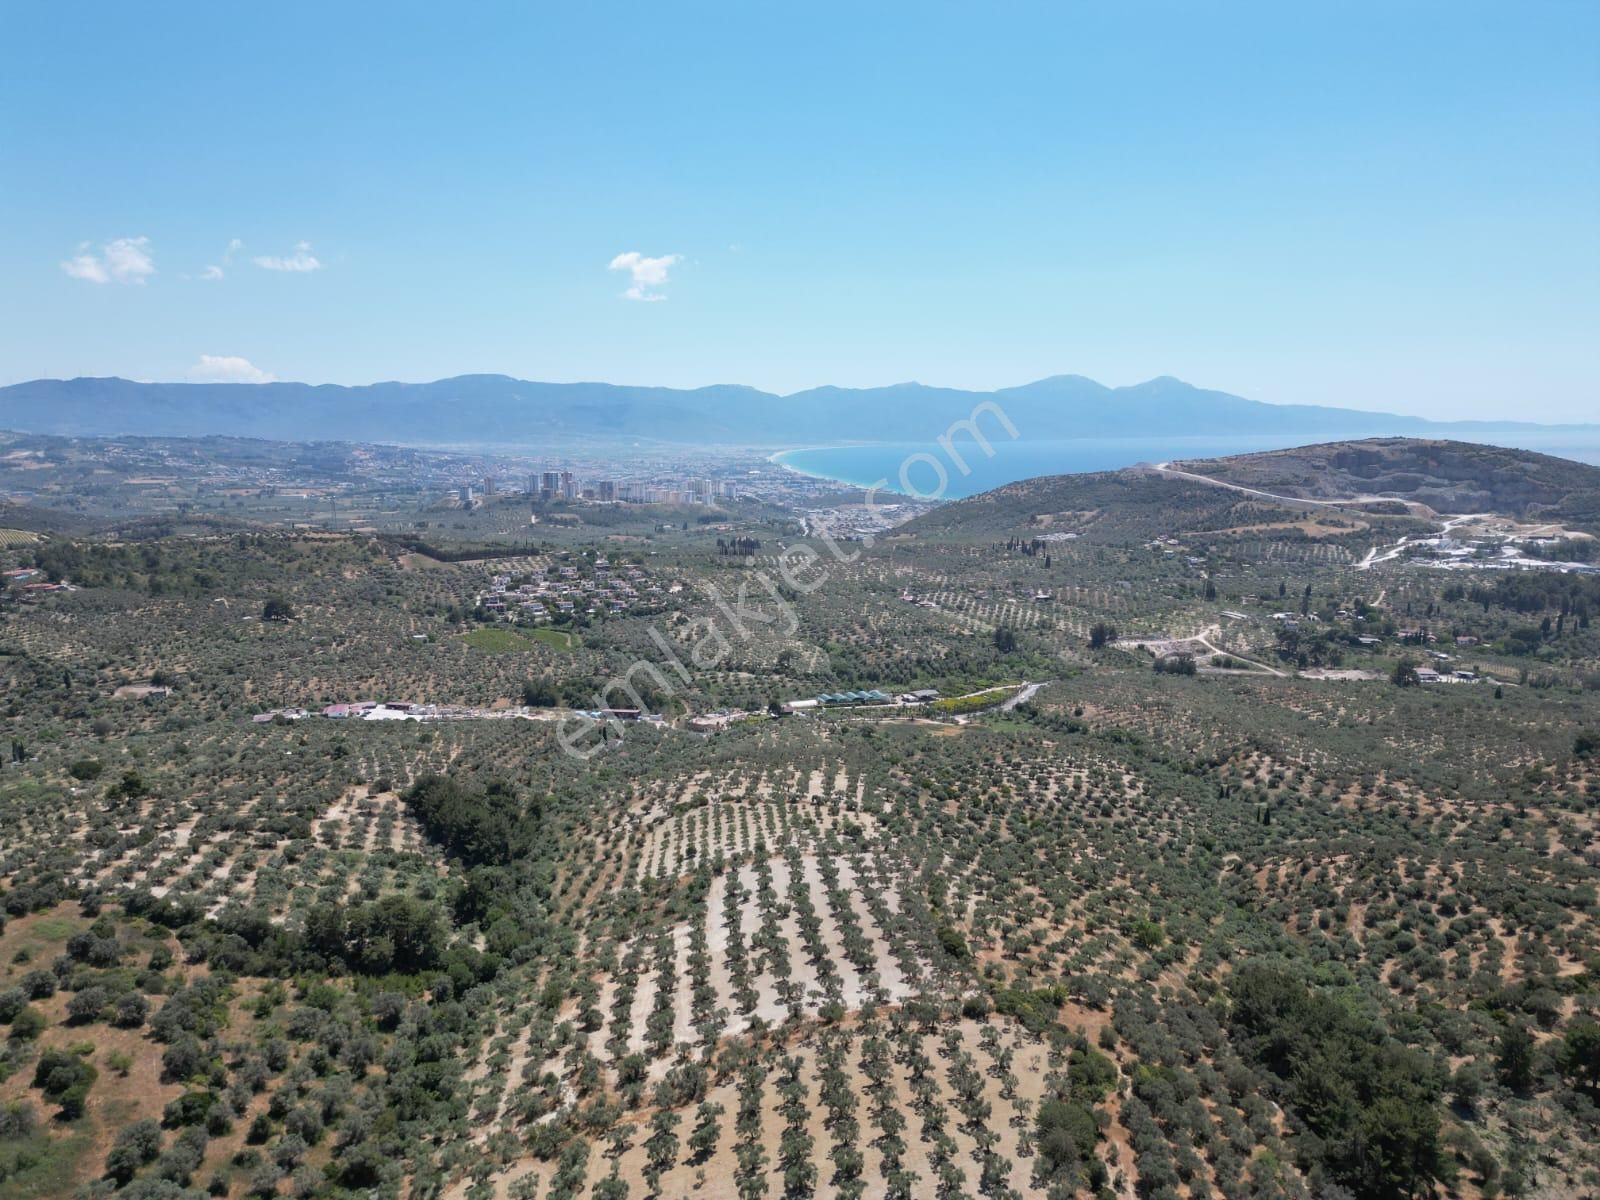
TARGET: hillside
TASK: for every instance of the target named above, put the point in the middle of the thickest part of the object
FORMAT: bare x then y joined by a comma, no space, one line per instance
1130,506
1449,477
497,408
1098,506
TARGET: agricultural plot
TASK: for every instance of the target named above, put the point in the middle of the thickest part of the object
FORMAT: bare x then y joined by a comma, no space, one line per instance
888,1107
1094,944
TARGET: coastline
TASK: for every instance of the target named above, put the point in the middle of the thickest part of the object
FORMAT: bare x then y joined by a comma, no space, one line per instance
780,458
845,464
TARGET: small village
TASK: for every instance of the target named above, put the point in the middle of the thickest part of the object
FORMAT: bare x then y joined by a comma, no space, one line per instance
537,593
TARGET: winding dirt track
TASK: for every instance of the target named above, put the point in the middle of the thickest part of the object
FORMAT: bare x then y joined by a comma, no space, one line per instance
1166,468
1375,555
1204,638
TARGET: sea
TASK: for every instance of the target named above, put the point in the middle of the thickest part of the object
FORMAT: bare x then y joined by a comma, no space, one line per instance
929,471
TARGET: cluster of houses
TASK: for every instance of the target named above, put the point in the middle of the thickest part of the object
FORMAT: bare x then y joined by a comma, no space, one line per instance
31,581
1291,622
538,594
1414,637
850,523
1440,673
1171,547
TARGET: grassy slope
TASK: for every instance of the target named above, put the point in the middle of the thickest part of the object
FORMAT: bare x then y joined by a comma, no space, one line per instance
1448,476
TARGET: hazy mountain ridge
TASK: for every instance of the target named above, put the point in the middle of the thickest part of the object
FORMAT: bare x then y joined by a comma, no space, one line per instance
475,408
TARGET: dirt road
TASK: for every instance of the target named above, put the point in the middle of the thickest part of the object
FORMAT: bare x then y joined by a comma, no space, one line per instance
1029,690
1166,468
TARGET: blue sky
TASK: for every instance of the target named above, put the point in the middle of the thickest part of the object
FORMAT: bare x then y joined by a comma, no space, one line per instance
1386,206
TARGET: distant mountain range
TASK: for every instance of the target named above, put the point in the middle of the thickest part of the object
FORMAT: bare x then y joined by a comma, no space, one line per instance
473,409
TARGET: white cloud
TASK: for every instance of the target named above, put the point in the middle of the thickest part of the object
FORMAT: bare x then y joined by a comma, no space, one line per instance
124,260
215,271
227,368
301,260
87,267
646,272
